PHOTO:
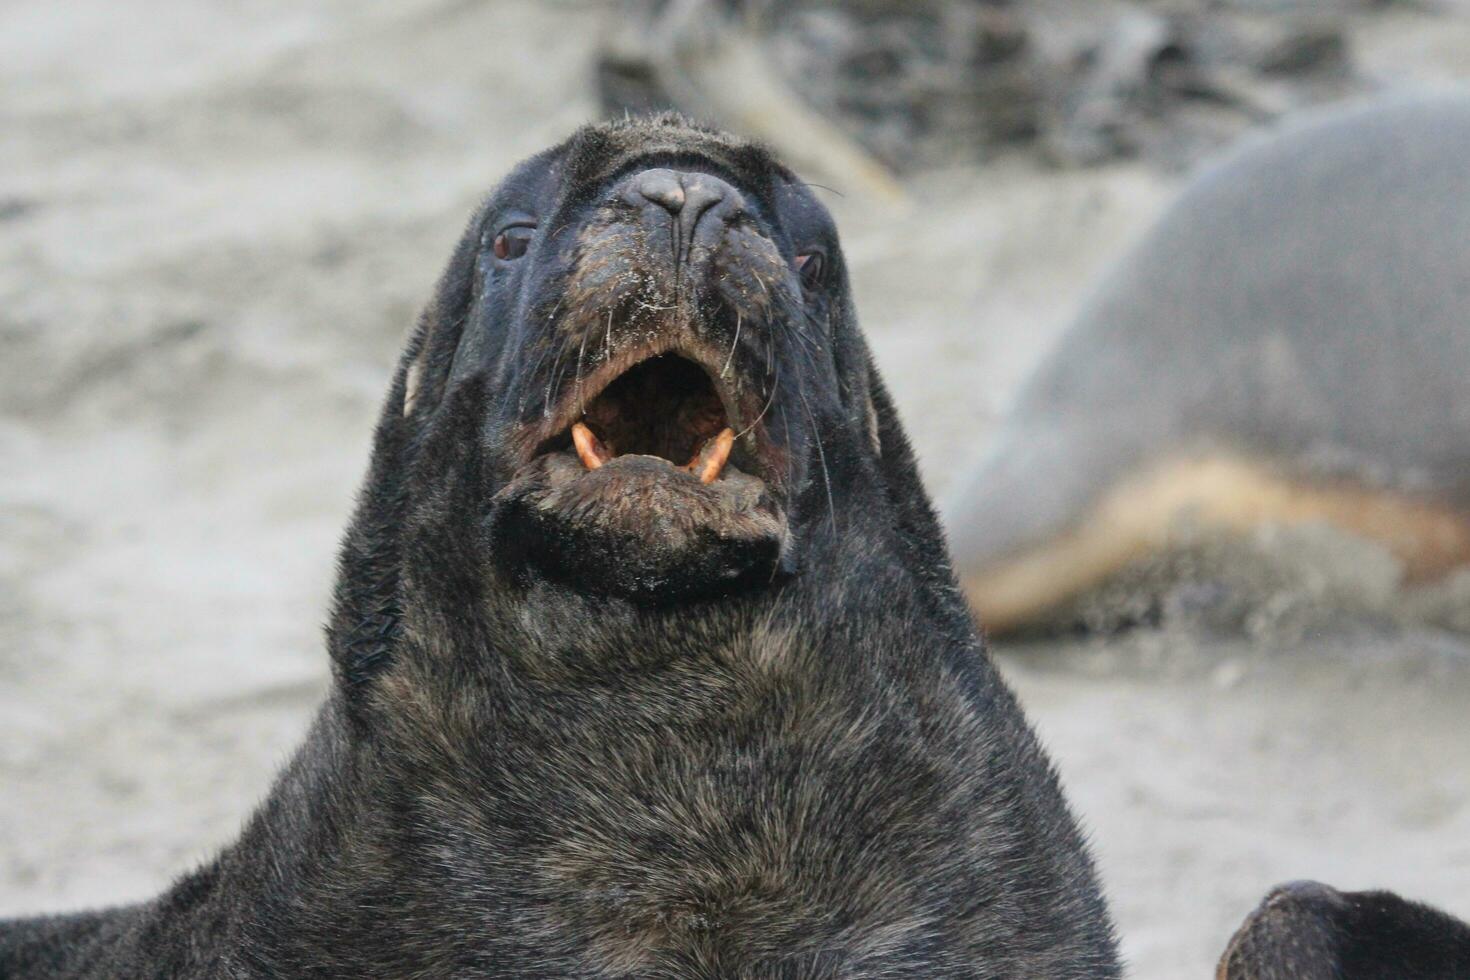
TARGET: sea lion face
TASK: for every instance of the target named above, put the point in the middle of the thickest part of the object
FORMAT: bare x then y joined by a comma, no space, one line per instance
647,344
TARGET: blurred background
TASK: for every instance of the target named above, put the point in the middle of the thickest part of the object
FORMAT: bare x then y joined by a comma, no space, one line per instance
217,221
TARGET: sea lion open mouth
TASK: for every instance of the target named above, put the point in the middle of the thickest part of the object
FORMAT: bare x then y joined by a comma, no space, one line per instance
667,408
664,408
662,469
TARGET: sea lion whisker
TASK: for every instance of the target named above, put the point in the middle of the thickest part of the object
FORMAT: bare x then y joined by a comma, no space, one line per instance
822,456
559,229
809,183
553,381
808,317
527,389
581,354
765,290
545,348
808,342
786,426
774,385
724,371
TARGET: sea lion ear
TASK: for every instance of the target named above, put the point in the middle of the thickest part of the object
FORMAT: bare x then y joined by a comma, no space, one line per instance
918,525
413,372
875,437
424,365
364,621
854,362
429,354
870,406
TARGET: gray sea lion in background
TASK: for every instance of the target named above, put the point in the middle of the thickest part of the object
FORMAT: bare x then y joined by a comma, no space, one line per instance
1306,930
1290,344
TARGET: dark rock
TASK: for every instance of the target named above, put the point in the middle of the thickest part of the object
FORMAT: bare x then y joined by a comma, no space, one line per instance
1078,81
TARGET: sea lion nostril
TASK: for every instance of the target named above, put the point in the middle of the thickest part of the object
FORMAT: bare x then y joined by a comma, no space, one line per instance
702,192
687,197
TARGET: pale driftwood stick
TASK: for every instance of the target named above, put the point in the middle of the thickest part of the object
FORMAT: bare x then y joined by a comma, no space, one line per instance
713,67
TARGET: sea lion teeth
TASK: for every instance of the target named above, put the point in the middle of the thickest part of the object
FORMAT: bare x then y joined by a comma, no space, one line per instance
712,456
590,449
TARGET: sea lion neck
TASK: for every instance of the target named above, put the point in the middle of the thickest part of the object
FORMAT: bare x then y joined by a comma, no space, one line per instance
853,577
792,735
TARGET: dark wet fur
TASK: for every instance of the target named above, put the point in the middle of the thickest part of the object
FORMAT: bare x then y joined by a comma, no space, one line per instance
1310,931
813,772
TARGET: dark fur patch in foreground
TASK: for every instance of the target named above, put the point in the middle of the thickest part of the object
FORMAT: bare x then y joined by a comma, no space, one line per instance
1309,931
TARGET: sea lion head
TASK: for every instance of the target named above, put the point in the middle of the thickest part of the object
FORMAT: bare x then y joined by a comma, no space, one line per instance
640,292
640,382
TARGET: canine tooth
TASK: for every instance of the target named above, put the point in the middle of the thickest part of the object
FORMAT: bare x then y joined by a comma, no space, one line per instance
713,456
589,448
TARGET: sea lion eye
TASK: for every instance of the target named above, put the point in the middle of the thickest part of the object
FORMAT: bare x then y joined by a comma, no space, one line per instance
810,266
512,242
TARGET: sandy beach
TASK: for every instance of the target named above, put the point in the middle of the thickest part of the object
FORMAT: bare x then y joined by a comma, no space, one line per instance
216,225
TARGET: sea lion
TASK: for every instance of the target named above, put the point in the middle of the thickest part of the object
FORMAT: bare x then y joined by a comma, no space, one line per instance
648,659
1305,930
1287,346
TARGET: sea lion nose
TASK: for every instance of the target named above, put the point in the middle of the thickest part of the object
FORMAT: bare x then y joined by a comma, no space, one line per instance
662,187
689,198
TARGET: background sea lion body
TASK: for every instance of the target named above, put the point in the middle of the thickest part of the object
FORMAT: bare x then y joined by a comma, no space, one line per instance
1306,930
597,715
1287,345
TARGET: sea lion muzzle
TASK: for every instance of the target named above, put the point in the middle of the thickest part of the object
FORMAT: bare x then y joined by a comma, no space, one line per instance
646,465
